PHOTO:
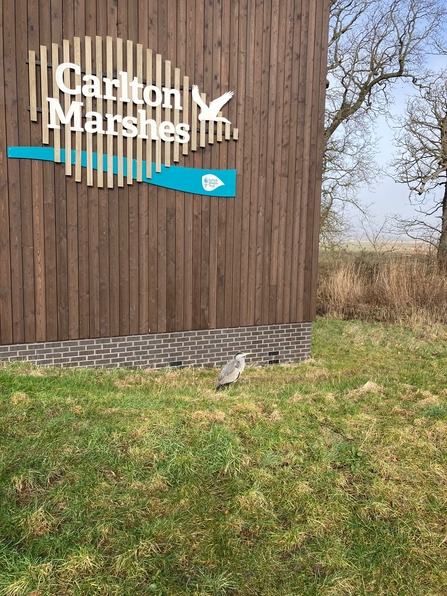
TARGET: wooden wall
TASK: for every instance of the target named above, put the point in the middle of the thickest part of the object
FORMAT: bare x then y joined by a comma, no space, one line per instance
81,261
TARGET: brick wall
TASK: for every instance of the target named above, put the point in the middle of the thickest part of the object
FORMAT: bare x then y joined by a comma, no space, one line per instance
270,344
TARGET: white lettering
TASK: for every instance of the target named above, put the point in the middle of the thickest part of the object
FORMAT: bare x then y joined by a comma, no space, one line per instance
93,89
130,126
135,85
168,93
147,96
143,124
60,70
166,129
95,125
124,86
115,89
182,131
109,88
74,111
111,119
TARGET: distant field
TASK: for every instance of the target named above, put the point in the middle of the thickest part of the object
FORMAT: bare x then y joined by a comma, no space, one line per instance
395,245
325,478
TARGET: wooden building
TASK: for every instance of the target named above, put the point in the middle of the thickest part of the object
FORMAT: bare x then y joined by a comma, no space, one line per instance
137,226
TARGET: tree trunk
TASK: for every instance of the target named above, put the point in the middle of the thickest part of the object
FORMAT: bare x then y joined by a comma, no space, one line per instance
442,246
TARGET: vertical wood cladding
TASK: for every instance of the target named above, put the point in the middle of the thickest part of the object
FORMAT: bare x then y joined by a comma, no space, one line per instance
82,261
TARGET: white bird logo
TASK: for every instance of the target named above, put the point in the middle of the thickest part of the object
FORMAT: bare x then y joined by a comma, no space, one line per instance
210,112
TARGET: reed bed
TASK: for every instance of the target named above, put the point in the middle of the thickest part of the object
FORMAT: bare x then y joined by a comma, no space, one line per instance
407,288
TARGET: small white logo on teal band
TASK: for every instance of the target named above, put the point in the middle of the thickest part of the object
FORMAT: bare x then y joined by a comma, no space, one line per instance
217,183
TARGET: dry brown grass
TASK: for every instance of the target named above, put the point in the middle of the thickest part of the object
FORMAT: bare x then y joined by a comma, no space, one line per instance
397,288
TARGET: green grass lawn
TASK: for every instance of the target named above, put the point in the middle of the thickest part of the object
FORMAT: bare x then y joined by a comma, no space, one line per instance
324,478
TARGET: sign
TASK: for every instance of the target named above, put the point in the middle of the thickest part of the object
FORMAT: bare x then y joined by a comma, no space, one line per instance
122,115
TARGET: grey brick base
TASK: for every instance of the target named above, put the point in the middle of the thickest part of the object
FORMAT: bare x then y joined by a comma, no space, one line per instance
270,344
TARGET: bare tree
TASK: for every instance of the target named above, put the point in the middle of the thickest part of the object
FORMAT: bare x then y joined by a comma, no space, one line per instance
372,44
422,161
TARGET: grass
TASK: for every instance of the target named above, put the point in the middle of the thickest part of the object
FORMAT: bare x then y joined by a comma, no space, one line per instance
324,478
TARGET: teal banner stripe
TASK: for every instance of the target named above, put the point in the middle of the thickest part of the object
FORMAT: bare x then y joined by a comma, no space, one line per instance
216,183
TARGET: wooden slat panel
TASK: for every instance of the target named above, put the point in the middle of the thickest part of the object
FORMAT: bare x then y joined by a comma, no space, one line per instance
67,132
247,156
57,131
305,199
36,135
32,85
170,226
179,261
119,111
83,261
113,273
43,252
92,31
174,204
88,108
194,125
196,77
290,256
139,155
77,59
123,233
152,192
129,152
56,208
133,258
149,78
39,251
188,56
275,280
231,210
26,186
235,111
162,260
51,268
177,113
211,133
267,287
253,92
264,140
73,260
158,82
6,311
46,289
227,131
315,173
205,267
223,164
132,192
143,189
99,107
298,191
153,264
167,113
109,107
203,125
185,113
219,131
214,208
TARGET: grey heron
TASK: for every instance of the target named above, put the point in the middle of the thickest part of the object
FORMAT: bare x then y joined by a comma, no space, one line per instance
232,370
